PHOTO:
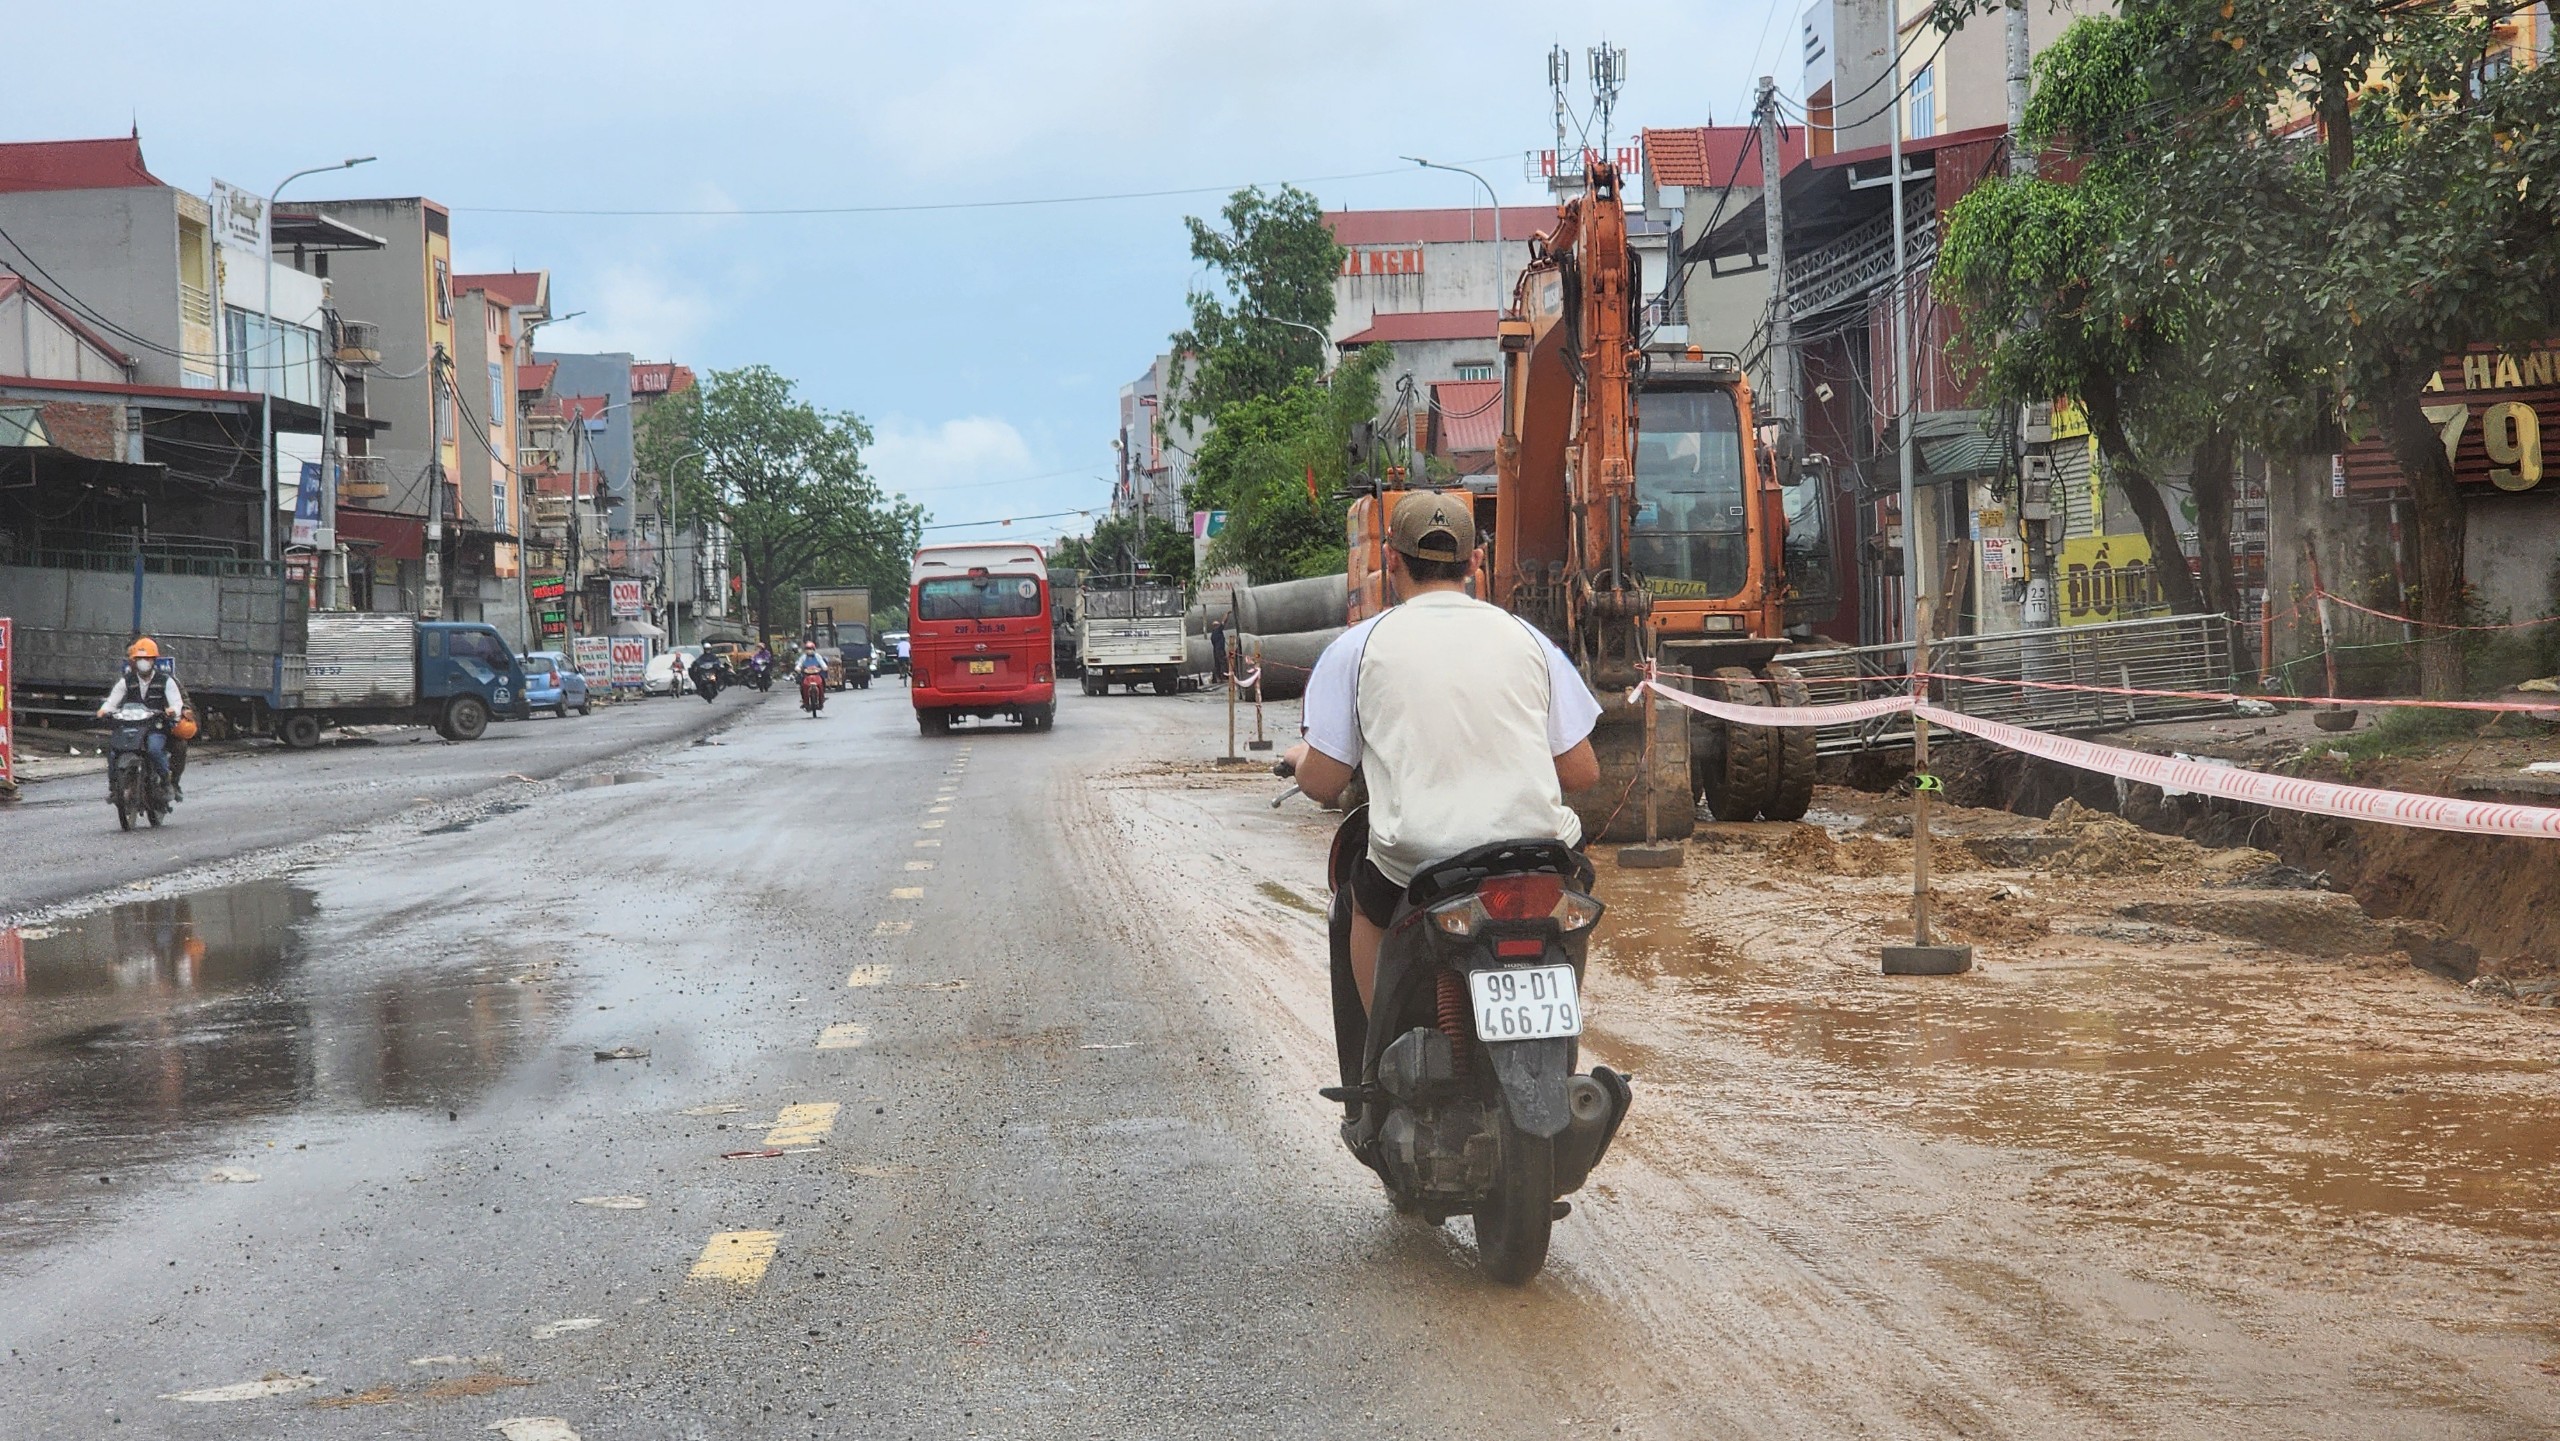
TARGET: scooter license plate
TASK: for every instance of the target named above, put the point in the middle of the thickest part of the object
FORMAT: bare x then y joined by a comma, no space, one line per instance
1526,1003
982,667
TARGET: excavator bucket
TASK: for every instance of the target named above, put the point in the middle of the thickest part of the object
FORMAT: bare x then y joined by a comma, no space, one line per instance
1614,810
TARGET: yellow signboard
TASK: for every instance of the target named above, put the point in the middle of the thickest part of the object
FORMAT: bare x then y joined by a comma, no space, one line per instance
2107,577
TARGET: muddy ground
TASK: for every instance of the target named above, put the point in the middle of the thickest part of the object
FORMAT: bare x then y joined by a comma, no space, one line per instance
2197,1148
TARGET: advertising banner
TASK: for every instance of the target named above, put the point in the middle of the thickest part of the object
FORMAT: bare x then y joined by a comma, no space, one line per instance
8,744
306,506
626,599
239,219
630,660
594,660
2107,577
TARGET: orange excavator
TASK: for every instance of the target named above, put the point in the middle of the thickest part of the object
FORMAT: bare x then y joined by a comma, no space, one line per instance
1637,516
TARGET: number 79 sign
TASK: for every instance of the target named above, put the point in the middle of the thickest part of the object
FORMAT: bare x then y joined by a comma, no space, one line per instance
2510,435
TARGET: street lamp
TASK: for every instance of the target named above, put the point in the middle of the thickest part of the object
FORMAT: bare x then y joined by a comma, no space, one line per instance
1324,342
1489,195
674,468
267,327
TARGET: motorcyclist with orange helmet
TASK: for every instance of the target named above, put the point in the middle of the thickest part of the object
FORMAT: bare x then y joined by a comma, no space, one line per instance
146,679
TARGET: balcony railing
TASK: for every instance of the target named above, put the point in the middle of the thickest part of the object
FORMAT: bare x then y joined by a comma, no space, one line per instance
359,343
1861,260
364,477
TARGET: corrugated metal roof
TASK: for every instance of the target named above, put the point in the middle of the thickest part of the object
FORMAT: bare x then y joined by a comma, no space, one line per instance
1437,227
1427,325
1466,415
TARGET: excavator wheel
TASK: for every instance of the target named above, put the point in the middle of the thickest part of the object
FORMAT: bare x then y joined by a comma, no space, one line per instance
1793,794
1739,777
1613,810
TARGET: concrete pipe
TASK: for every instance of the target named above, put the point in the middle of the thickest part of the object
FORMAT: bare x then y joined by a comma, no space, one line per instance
1292,606
1286,659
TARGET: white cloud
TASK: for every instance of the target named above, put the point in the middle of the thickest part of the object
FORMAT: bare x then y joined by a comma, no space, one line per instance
638,307
924,460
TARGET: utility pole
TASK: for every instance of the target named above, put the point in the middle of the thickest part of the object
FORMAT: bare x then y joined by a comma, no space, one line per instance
1782,342
267,340
2022,158
431,593
574,588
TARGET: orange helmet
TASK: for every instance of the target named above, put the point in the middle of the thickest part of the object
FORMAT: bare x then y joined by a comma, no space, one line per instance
184,728
140,649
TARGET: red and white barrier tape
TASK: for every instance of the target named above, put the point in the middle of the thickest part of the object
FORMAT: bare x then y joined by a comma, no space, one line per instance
2336,599
2355,803
2492,706
1249,680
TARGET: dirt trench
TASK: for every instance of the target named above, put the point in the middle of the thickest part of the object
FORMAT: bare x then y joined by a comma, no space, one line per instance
2470,905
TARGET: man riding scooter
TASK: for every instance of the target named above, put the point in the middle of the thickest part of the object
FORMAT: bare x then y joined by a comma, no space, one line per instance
812,673
147,680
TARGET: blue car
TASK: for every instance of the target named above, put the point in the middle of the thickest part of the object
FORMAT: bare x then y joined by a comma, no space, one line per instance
551,683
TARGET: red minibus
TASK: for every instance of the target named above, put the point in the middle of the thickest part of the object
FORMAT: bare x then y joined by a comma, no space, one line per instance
979,634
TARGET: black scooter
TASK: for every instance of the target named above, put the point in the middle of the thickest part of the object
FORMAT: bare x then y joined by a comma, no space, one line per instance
1459,1088
708,676
134,787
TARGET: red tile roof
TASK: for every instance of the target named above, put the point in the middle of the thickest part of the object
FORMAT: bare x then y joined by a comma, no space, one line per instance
519,288
536,375
1437,227
1427,325
1466,415
16,284
1705,156
74,165
583,407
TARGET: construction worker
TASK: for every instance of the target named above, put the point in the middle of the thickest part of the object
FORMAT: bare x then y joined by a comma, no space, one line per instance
146,678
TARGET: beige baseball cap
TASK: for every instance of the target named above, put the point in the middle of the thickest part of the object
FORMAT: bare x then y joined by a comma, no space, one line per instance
1429,525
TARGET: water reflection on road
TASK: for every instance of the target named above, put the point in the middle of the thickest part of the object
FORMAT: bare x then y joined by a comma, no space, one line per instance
133,1039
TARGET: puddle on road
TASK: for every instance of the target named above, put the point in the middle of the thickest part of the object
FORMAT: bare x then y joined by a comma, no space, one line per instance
132,1040
2160,1082
616,778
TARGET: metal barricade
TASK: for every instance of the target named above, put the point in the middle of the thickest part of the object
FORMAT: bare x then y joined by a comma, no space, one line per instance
2163,653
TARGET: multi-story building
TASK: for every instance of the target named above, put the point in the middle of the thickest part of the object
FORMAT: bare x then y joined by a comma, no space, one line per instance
690,550
488,579
593,395
408,537
1154,459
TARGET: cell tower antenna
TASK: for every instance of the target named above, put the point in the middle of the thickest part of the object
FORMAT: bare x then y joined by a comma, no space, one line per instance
1608,77
1559,78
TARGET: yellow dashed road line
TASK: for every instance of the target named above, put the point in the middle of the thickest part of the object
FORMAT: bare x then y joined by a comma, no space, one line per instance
907,893
803,1125
842,1036
927,844
929,826
937,810
919,865
737,1257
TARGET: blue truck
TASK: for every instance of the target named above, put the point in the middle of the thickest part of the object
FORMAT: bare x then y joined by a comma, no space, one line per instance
358,668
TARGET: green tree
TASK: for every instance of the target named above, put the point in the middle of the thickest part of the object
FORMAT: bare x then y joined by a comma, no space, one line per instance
1275,260
786,480
1255,465
1107,551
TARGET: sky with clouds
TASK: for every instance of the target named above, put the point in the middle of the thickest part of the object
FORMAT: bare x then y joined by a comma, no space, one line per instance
986,346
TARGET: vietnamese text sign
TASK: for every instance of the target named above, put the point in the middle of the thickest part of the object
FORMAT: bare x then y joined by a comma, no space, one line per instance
626,598
2489,406
306,506
2107,577
630,660
239,219
594,659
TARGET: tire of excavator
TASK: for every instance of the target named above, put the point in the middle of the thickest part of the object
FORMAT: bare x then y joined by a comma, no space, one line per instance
1613,810
1742,787
1793,794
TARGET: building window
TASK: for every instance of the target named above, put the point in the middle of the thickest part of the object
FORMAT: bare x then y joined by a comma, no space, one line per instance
1475,370
444,291
498,395
1924,103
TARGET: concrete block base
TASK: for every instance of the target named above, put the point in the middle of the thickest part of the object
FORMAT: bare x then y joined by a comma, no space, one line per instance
1927,960
1659,856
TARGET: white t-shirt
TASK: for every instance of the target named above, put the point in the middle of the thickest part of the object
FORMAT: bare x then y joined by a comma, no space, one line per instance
1456,710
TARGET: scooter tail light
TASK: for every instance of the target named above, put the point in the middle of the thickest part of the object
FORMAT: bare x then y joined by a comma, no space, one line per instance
1461,917
1575,911
1530,897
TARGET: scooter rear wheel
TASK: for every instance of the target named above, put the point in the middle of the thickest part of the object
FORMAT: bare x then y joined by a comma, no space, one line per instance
1514,1220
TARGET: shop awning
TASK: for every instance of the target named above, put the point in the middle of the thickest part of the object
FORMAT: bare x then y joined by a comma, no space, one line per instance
393,537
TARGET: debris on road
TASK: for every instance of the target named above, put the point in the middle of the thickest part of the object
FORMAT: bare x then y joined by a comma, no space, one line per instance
234,1175
533,1428
274,1383
623,1053
556,1329
614,1203
749,1155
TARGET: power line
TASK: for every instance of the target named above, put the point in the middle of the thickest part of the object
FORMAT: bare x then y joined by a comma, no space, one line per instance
1008,520
924,206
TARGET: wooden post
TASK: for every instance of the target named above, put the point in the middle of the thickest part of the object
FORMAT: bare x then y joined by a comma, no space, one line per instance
1231,758
1652,827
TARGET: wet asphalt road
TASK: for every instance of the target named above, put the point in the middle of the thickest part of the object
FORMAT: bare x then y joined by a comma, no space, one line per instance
255,798
1036,1177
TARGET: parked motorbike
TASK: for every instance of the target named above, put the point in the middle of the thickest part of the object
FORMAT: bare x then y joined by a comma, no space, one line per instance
708,678
133,786
1458,1086
813,691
